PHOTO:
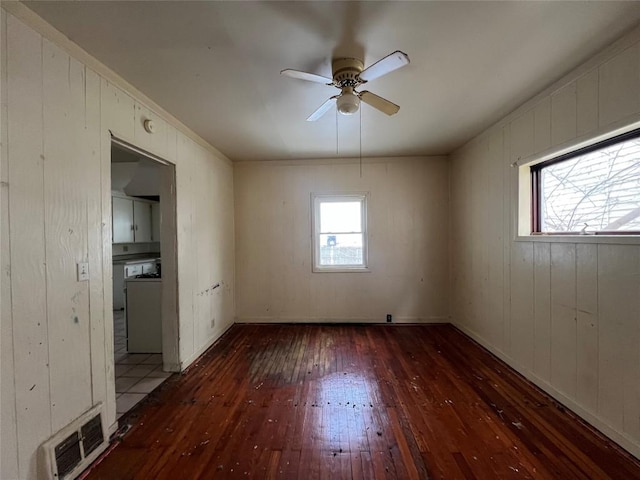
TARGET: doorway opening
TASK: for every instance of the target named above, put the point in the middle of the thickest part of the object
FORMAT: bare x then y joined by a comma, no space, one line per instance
145,330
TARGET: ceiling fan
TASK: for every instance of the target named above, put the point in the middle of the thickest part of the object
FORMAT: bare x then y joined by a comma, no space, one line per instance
349,74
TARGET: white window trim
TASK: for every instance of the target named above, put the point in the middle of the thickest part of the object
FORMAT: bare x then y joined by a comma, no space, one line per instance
316,199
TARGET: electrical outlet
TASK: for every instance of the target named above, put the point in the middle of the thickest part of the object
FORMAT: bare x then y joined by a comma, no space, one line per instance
83,271
389,318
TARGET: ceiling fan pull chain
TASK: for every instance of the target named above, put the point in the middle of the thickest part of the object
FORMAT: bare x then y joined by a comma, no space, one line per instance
360,143
336,132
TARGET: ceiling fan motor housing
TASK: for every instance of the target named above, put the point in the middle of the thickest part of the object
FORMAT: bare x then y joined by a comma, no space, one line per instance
346,72
349,74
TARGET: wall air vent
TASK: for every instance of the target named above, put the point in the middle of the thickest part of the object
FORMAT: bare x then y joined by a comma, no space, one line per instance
65,455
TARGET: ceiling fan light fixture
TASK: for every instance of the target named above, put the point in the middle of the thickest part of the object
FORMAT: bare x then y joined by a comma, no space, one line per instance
348,103
347,75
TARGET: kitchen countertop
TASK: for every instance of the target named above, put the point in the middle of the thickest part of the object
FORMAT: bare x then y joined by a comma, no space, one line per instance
136,258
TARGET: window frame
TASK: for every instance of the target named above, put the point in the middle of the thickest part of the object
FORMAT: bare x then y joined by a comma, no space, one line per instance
316,200
536,185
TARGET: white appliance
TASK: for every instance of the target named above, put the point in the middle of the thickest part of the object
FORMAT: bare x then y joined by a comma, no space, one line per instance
144,320
125,269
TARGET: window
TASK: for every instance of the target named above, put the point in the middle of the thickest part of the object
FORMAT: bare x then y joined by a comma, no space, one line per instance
340,233
594,190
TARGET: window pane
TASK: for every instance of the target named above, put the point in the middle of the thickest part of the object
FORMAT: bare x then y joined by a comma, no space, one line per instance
600,189
340,217
341,249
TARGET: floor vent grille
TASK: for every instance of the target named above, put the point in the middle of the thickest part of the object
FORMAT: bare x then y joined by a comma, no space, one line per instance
68,455
92,435
72,449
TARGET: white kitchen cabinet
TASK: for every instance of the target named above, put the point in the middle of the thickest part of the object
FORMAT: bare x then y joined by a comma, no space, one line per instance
131,220
155,222
142,221
122,211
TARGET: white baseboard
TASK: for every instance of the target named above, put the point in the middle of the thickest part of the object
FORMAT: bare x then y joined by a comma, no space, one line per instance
381,320
629,444
186,363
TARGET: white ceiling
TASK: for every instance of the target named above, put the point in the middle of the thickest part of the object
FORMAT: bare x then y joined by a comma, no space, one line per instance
215,65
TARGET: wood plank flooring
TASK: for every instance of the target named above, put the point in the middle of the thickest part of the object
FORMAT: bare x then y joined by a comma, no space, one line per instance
361,402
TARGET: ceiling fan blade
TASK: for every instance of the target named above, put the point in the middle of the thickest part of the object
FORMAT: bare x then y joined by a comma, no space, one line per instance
382,104
324,108
309,77
388,64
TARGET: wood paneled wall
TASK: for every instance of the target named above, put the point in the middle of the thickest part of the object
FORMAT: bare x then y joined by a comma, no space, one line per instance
407,230
563,311
57,338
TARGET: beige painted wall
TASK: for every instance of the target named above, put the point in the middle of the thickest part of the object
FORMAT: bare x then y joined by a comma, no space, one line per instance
408,238
57,333
565,312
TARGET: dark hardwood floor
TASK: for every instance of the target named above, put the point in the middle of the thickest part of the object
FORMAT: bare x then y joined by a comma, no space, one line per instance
370,402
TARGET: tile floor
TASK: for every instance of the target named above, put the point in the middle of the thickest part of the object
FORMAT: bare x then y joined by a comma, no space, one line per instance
137,374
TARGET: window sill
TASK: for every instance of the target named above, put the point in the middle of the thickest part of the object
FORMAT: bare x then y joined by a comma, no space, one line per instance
341,270
604,239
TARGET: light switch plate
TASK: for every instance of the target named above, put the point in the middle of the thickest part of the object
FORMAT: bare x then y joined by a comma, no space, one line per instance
83,271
